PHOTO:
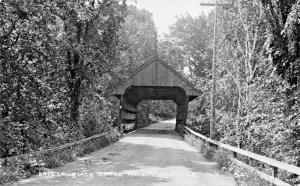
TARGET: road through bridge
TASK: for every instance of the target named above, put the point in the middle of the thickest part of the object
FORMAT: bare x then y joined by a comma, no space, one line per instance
156,155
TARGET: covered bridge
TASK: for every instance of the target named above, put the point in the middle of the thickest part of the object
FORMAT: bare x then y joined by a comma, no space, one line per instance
154,80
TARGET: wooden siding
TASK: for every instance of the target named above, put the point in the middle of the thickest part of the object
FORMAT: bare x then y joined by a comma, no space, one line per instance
156,73
128,116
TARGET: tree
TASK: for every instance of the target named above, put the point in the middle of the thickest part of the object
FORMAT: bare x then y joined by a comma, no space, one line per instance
137,39
241,30
251,101
27,51
251,96
283,47
283,37
89,45
189,46
53,55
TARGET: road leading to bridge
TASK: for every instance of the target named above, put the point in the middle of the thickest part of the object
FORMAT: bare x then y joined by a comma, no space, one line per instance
155,155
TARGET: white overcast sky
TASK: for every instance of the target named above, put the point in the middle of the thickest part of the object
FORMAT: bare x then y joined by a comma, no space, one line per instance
164,11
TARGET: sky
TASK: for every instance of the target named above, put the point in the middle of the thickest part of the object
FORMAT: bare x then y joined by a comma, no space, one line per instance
165,11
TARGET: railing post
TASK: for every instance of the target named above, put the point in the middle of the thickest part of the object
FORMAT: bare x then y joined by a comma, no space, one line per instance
250,161
120,114
275,171
234,154
275,174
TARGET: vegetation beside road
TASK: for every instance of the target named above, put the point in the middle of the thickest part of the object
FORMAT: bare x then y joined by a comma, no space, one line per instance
59,60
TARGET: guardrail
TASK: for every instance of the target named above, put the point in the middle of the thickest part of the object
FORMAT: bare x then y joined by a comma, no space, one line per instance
60,146
274,163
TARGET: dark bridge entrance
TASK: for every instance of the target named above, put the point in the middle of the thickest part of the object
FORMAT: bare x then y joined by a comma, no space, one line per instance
155,80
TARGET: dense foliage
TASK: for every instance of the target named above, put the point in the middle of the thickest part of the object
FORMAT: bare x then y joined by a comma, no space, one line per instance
257,75
56,58
283,37
137,39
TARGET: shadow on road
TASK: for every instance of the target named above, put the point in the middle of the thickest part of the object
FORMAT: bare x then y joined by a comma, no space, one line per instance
155,155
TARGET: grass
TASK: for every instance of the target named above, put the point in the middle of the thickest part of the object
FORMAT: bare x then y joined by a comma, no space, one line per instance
242,176
25,166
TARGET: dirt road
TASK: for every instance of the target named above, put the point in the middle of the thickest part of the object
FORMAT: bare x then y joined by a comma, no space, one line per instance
155,155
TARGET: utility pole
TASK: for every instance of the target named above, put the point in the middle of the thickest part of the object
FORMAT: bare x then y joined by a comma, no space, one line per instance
213,82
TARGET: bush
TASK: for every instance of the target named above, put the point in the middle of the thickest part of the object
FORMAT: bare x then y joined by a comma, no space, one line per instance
199,123
51,161
242,176
20,167
245,177
207,150
224,160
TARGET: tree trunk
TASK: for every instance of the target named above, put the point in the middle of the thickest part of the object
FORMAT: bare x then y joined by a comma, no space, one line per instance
74,84
237,128
75,101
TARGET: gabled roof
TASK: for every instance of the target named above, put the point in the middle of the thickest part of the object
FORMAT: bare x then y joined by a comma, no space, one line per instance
156,73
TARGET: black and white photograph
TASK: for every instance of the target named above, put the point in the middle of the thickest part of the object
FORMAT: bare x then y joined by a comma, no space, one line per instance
150,92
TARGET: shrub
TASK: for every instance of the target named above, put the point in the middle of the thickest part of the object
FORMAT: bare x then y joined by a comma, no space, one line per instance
207,150
224,160
242,176
20,167
245,177
51,161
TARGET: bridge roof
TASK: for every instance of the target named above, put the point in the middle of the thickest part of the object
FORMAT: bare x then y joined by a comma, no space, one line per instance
156,73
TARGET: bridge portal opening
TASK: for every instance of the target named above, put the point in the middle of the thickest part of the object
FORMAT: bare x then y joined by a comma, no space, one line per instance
135,94
149,111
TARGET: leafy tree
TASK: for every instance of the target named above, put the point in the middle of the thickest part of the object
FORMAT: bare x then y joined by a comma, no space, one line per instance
241,42
189,46
137,39
251,98
27,51
252,109
53,56
89,45
283,37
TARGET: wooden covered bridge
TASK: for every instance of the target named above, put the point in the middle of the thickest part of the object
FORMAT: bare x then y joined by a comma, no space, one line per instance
155,80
